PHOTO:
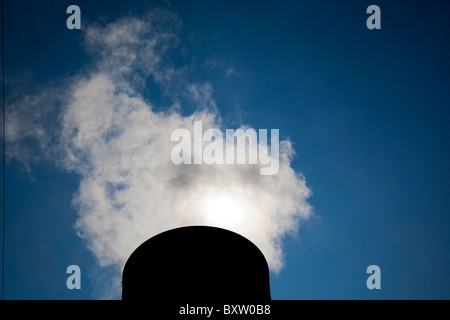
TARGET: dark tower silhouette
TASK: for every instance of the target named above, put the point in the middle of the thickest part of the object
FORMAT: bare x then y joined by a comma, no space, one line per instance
196,264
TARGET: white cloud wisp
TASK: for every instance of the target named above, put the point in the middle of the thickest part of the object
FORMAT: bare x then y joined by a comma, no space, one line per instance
130,190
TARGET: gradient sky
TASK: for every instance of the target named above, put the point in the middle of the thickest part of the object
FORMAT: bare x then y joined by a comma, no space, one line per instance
366,110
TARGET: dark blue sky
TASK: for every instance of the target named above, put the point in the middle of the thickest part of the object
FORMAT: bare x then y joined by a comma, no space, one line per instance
366,110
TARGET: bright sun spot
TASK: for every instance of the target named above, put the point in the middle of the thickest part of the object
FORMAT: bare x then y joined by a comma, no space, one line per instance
224,211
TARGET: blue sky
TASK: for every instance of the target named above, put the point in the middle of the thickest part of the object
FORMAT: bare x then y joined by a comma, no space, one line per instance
365,110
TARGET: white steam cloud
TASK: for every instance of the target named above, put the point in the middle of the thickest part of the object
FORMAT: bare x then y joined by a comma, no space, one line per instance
129,188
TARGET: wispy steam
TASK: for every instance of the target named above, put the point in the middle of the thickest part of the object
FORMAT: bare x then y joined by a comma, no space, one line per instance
130,190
